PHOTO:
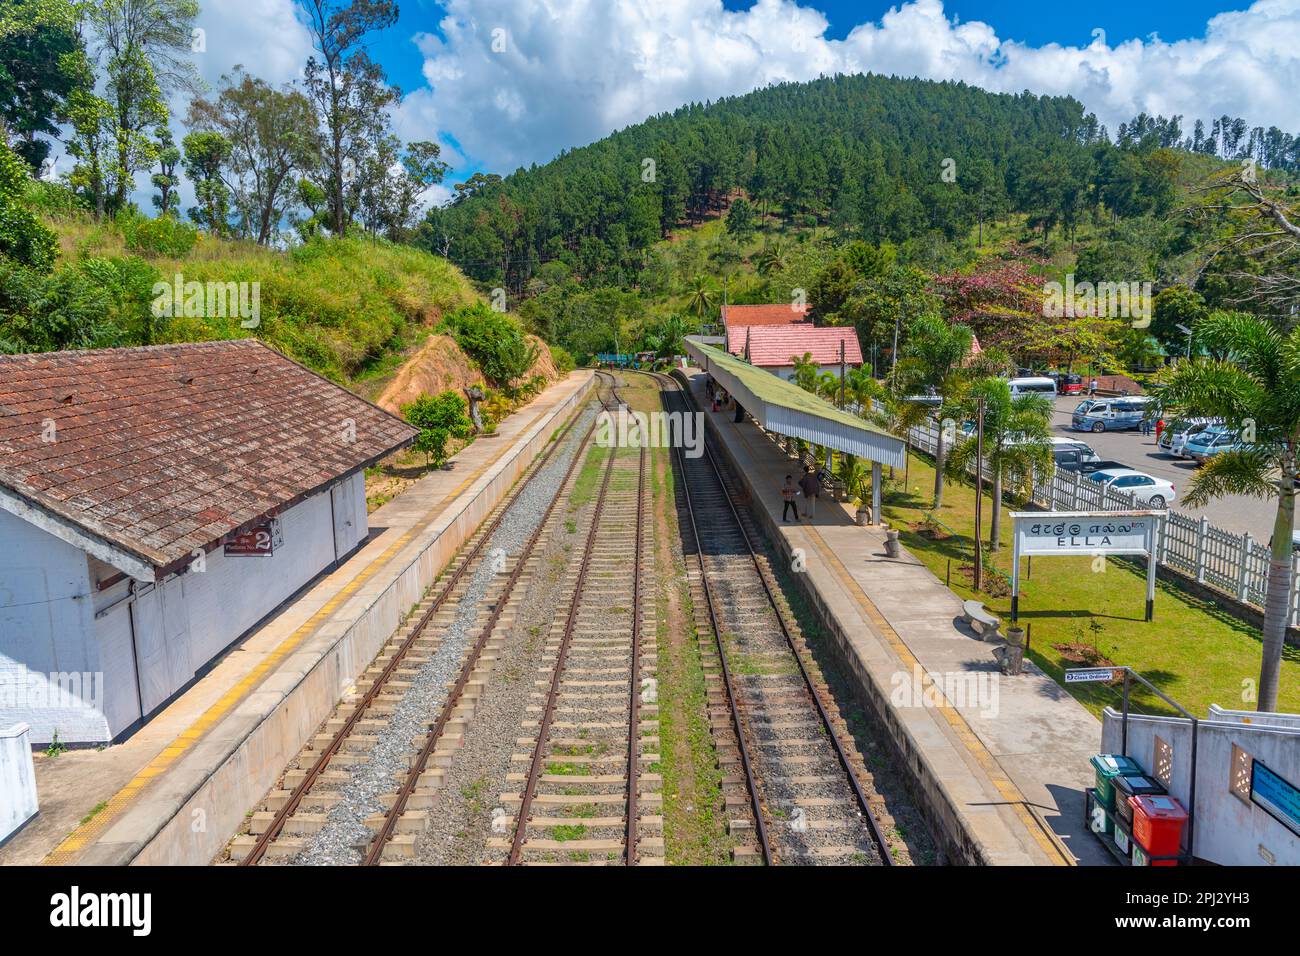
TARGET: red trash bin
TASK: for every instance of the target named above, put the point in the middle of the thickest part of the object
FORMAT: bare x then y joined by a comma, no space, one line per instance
1158,822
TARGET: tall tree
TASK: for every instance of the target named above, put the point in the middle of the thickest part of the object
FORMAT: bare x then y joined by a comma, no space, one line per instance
145,47
1256,391
1015,443
42,61
206,156
271,137
349,91
166,179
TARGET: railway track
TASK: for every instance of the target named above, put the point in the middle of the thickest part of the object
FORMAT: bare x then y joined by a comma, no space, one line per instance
584,795
792,775
294,813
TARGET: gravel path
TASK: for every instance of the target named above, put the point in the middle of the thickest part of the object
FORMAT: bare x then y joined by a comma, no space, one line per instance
343,839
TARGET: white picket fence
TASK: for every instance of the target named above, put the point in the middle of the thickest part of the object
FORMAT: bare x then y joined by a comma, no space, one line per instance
1235,564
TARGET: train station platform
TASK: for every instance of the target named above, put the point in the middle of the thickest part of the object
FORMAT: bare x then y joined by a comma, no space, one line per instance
175,791
1001,773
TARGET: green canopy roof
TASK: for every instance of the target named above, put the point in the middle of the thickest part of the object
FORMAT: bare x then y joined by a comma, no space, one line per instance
786,409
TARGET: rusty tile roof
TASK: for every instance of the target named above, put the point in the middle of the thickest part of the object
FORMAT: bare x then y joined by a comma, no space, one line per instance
771,346
739,317
165,449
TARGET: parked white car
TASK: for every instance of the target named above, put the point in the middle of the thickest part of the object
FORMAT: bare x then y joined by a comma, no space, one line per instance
1151,491
1174,438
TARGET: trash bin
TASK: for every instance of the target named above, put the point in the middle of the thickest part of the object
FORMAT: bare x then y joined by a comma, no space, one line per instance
1133,785
1107,767
1158,822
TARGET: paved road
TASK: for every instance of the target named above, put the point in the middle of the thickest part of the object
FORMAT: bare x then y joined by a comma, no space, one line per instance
1235,513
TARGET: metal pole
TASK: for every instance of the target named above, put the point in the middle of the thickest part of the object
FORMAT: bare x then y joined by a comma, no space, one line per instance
1123,745
979,495
842,373
1191,794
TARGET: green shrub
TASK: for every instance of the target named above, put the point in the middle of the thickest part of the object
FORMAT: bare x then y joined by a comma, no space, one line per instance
494,341
439,418
43,313
163,236
22,237
563,359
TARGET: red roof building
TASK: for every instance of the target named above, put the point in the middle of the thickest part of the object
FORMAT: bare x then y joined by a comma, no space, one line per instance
775,347
747,316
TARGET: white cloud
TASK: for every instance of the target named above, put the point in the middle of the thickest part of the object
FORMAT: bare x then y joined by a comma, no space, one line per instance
572,71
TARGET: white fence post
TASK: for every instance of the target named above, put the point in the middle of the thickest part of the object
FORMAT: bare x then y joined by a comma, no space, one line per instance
1200,550
1246,542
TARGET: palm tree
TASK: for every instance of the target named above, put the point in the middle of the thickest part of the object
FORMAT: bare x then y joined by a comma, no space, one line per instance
932,357
1016,432
700,299
805,372
1255,389
828,386
773,258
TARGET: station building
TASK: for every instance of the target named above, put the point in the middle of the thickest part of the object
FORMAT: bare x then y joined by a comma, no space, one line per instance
156,505
774,348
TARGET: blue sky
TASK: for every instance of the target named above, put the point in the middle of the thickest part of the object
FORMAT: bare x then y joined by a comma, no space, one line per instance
575,70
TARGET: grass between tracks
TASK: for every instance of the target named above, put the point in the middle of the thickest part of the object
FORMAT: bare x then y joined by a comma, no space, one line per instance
1194,651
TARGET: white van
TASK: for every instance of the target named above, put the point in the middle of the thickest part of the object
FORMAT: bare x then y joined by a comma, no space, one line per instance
1039,385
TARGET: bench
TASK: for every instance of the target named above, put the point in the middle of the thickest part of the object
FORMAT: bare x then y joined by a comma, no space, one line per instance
981,621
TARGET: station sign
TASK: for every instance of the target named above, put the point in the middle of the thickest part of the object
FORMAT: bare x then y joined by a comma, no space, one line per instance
257,542
1085,534
1088,675
1276,796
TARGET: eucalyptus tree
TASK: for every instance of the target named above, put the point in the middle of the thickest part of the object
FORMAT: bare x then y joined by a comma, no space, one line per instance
1016,432
1255,389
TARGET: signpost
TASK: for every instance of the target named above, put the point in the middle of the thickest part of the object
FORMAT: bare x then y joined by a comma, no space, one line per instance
257,541
1086,534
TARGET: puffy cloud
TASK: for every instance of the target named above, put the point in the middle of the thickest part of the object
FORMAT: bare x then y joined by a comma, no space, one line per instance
516,81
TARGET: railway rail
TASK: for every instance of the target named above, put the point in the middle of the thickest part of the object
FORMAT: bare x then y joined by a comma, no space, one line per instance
581,797
309,790
792,774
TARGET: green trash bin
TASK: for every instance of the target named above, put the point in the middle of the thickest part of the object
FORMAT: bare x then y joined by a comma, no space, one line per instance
1107,767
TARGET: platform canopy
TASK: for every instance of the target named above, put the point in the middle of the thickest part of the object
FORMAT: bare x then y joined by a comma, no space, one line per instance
786,409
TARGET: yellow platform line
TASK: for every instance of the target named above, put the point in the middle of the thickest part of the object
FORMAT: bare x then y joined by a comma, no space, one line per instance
1051,845
72,845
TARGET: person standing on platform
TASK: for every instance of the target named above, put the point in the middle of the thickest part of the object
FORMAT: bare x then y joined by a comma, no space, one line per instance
789,491
811,488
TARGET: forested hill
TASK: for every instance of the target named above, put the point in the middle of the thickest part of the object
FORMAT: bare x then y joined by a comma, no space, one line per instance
879,157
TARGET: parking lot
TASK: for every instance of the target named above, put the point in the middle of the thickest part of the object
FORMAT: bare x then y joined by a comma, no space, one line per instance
1233,513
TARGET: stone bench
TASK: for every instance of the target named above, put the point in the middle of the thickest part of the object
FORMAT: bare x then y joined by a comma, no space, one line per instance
980,620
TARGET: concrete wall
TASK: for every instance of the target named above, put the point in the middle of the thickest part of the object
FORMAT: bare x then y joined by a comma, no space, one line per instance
1229,830
89,677
17,780
50,671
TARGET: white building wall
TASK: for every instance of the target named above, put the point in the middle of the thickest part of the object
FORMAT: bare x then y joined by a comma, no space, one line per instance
144,648
1229,830
787,371
50,674
17,780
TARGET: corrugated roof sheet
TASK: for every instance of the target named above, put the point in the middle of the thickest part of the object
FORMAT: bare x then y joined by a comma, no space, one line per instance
166,449
773,346
785,408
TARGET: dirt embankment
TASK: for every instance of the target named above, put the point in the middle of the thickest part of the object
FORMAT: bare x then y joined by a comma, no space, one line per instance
439,365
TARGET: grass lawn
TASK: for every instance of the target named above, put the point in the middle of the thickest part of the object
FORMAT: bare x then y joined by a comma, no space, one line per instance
1193,651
